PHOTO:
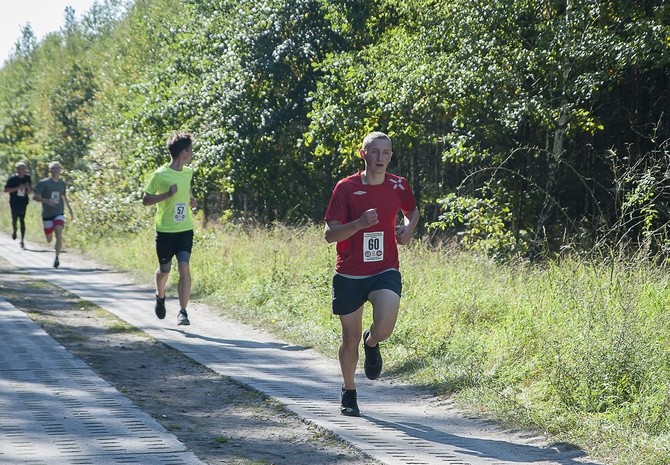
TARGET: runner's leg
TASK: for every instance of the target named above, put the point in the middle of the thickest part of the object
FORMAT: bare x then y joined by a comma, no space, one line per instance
15,217
58,230
385,307
22,221
48,229
348,353
184,284
161,281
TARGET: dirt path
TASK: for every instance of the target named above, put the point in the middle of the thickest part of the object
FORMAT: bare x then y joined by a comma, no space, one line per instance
221,421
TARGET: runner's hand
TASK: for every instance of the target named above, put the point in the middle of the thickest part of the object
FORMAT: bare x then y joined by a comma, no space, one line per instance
402,235
368,218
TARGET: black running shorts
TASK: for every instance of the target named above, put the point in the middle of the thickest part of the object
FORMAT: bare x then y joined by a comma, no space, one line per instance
170,244
350,293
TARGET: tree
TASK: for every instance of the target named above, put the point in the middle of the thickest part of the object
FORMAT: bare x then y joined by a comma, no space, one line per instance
531,75
17,119
71,103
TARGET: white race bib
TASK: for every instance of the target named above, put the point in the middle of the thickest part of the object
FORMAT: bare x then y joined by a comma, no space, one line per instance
21,192
179,212
55,195
373,246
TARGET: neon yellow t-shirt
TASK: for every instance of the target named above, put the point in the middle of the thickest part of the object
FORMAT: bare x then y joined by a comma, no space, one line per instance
173,214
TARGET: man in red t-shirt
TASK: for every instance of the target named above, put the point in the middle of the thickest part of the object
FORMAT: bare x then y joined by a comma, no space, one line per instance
362,218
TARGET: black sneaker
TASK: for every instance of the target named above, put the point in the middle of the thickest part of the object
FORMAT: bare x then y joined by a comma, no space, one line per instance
160,307
373,358
22,244
349,404
14,236
56,263
182,318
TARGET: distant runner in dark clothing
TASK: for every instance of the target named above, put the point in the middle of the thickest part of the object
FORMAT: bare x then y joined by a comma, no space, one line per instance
19,186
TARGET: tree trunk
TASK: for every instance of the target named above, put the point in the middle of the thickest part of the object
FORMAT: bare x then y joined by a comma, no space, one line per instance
554,163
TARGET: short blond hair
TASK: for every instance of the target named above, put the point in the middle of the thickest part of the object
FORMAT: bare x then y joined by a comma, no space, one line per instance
374,136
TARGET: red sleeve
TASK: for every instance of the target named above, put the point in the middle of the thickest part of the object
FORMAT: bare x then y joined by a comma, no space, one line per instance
338,207
407,200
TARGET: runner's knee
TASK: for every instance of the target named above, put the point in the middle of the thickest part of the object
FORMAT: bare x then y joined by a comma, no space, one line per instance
165,267
183,257
382,332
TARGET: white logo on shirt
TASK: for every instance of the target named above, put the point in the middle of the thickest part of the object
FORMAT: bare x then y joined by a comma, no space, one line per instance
397,184
360,192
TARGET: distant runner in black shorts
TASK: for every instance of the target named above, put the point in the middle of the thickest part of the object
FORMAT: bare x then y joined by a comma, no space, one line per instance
169,188
19,186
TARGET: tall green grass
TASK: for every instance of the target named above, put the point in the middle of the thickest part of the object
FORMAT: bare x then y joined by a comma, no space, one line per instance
579,349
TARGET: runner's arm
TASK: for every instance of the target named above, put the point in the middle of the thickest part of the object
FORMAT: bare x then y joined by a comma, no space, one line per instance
194,202
67,203
403,233
9,189
336,231
152,199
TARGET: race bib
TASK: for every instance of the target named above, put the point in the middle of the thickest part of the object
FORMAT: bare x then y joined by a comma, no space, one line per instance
373,246
179,212
55,195
21,192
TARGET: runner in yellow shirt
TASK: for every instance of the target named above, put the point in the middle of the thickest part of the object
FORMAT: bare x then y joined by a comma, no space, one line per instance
169,188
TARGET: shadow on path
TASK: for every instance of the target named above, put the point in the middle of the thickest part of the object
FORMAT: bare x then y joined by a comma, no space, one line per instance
485,448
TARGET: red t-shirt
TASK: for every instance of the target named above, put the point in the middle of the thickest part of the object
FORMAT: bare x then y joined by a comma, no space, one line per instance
372,250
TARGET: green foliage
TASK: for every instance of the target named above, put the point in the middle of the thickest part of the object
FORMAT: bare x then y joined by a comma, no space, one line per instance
522,95
482,225
524,127
17,129
529,81
244,94
103,211
70,105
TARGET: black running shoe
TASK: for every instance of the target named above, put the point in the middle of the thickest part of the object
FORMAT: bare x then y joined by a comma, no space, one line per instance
349,404
160,307
182,318
373,358
14,236
56,263
22,244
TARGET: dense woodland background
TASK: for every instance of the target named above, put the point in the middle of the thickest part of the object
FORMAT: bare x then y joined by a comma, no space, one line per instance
527,127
